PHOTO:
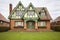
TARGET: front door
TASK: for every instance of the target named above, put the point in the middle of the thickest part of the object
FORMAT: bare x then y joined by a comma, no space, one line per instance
30,25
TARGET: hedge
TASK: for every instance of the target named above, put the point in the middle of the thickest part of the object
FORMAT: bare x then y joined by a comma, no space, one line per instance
3,29
56,28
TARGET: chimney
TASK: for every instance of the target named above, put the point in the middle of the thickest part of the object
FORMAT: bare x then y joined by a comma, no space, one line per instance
10,8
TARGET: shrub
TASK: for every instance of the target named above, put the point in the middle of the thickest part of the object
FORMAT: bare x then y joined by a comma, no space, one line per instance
56,28
3,29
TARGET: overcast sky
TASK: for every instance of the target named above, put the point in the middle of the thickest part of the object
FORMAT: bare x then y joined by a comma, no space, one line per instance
53,6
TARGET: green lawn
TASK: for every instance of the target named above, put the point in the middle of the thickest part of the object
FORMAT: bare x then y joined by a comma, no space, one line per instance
29,35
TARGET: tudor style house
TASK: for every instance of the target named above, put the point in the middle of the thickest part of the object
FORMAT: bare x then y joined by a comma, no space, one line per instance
29,17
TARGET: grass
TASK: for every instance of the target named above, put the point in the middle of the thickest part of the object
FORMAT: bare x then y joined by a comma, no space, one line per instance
30,36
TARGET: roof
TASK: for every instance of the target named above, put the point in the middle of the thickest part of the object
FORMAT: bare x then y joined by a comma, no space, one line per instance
3,18
47,16
38,9
57,19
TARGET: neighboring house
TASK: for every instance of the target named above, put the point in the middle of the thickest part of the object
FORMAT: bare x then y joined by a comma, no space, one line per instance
29,17
56,22
3,21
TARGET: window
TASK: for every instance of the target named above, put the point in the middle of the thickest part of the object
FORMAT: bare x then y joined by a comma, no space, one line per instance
1,22
43,13
42,23
30,13
19,13
18,24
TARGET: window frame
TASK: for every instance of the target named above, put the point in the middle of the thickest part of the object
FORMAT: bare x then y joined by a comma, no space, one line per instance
41,24
30,11
16,24
18,12
42,13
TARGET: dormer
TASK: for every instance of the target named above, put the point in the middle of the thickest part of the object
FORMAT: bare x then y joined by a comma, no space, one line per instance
31,13
42,12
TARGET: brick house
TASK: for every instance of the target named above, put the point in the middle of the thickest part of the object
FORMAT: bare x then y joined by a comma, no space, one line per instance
29,17
56,22
3,21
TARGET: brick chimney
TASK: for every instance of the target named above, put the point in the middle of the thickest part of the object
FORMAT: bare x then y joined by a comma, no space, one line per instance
10,8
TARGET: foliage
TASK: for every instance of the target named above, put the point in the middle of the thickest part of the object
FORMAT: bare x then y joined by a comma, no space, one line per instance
56,28
2,29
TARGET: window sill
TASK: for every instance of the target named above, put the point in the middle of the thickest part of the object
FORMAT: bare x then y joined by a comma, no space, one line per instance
41,26
18,27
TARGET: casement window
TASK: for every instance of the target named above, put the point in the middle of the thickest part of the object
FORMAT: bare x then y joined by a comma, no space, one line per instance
42,13
30,13
18,24
42,23
19,13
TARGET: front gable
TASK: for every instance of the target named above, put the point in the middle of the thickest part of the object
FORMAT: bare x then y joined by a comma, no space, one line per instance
31,13
17,12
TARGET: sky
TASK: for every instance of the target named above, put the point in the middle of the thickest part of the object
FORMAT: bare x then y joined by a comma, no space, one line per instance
53,6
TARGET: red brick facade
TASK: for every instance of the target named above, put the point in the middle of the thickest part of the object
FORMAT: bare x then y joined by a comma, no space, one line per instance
25,25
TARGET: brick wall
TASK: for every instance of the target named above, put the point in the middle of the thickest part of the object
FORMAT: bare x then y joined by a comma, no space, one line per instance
25,25
12,22
48,25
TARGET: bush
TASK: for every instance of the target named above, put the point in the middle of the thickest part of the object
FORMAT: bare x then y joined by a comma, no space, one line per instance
3,29
56,28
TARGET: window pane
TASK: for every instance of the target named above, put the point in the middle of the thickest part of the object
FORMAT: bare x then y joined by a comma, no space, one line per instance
18,23
43,13
41,23
19,13
30,13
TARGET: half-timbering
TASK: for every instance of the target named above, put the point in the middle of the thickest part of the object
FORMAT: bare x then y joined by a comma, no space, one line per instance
29,17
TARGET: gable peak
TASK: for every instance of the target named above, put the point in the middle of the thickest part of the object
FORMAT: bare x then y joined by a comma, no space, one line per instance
30,4
20,3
